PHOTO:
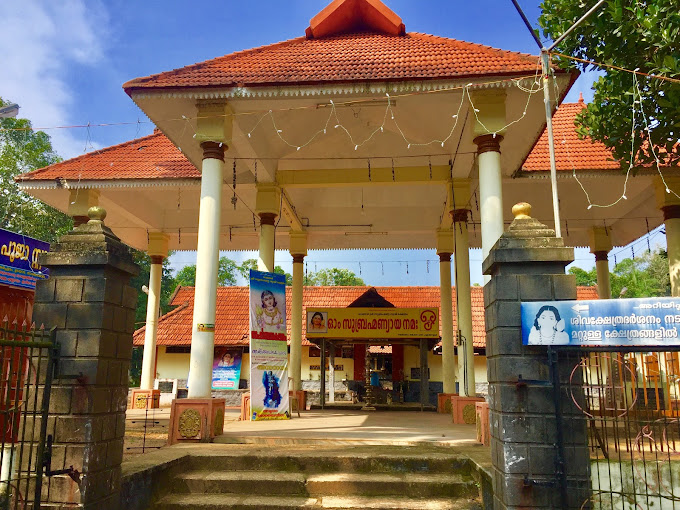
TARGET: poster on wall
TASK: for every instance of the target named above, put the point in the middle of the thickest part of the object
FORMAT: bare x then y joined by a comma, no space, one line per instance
268,347
226,368
19,266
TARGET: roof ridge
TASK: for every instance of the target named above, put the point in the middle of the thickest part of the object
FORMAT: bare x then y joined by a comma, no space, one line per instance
38,171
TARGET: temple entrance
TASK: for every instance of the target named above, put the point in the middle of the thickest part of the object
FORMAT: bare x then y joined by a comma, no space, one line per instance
379,342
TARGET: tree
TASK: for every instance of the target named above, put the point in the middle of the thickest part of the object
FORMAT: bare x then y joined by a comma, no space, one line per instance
226,274
630,34
644,276
23,150
333,276
249,264
584,278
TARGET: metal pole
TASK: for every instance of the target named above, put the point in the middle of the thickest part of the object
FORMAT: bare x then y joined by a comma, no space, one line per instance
571,29
545,62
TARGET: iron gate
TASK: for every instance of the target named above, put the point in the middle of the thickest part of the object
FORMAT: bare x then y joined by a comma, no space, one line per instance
631,401
27,364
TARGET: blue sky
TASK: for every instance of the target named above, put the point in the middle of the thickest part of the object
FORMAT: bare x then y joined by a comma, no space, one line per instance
64,63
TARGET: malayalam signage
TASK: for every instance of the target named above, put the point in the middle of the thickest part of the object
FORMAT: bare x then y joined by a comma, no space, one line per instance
19,266
373,322
226,368
268,347
650,322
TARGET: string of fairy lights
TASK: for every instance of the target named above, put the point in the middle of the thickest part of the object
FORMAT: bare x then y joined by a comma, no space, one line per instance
333,121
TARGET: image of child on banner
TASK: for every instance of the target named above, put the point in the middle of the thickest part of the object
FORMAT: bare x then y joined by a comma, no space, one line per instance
269,317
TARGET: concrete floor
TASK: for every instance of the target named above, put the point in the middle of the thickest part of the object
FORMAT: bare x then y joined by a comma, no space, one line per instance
338,427
352,427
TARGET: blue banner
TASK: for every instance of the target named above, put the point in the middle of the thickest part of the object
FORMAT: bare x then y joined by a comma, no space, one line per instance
226,368
650,322
19,266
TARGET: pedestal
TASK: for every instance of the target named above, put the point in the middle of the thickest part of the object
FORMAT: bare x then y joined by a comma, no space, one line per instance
444,402
483,433
145,399
463,409
196,420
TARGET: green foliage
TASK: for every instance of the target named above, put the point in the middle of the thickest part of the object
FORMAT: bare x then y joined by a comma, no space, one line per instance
23,150
333,276
631,34
584,278
227,270
644,276
249,264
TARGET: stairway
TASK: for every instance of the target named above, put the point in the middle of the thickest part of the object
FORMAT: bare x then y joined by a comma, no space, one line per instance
328,478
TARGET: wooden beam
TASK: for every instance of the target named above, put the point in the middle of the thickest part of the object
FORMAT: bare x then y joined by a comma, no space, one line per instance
344,177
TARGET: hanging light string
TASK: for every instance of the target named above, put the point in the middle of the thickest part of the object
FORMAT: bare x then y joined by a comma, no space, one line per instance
637,111
610,66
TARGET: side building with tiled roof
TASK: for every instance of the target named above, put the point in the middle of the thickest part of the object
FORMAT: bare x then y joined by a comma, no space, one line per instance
232,330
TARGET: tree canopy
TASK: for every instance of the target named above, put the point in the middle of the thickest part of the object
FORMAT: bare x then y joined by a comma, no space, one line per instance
333,276
630,34
23,150
644,276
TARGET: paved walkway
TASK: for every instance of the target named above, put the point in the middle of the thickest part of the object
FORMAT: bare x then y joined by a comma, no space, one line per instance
352,427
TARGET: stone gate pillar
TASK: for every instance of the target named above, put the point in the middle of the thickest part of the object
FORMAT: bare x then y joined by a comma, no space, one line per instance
527,264
88,299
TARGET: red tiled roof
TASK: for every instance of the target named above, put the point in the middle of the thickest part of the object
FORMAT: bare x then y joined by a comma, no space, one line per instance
351,57
149,157
571,152
233,316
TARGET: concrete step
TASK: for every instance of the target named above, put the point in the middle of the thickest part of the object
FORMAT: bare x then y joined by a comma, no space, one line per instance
232,502
350,462
409,485
241,482
329,484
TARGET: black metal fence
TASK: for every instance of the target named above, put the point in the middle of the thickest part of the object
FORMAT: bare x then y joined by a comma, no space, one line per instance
27,364
631,402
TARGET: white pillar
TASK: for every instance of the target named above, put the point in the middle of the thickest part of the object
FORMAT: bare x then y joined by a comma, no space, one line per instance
265,259
267,207
205,294
444,250
331,373
671,218
152,308
466,353
298,249
490,191
600,245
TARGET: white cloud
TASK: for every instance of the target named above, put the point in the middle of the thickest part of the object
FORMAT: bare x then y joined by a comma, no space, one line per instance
40,40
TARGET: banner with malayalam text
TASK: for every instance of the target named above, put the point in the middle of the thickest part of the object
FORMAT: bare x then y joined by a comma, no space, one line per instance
607,322
268,347
373,322
19,266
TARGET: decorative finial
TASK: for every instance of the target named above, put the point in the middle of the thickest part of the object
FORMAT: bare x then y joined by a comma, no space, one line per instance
522,211
580,97
96,214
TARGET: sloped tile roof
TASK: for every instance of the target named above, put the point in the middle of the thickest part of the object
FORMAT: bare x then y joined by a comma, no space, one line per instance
351,57
232,317
571,152
149,157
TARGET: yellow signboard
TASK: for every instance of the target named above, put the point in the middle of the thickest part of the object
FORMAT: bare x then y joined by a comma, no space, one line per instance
372,323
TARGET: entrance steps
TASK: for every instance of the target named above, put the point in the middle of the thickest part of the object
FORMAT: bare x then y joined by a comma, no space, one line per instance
367,478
